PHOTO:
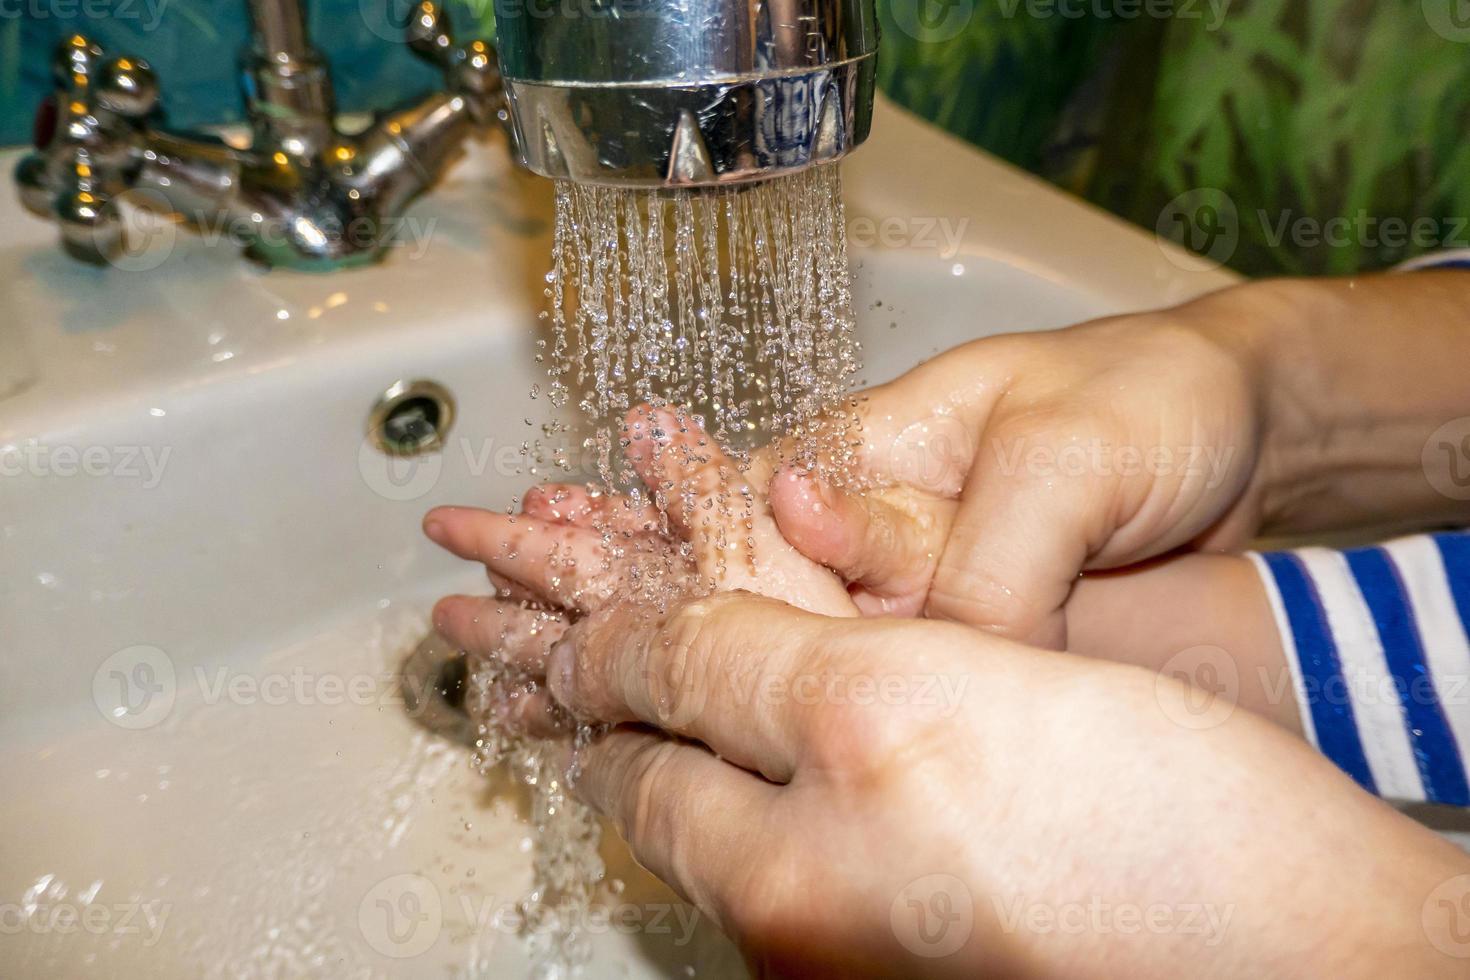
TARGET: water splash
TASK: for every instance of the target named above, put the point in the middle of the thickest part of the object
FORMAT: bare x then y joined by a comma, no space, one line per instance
733,304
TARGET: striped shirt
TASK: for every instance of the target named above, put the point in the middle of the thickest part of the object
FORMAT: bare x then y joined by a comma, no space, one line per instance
1377,641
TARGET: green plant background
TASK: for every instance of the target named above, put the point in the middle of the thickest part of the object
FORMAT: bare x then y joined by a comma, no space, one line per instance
1291,111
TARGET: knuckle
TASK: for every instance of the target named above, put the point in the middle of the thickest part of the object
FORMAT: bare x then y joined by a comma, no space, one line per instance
657,808
861,721
980,598
760,901
647,808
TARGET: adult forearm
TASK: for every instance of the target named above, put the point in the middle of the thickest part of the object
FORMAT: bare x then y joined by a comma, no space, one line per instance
1365,393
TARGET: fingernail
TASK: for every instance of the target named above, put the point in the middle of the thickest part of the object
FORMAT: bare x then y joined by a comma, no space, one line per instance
559,670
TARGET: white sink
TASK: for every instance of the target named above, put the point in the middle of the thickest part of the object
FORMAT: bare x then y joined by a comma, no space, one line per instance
187,508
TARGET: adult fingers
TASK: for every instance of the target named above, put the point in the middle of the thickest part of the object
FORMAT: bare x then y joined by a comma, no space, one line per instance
718,669
692,819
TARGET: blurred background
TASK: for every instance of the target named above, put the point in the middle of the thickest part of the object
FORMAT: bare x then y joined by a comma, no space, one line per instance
1280,136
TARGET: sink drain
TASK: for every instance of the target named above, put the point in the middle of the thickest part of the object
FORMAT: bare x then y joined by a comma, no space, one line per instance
434,680
411,418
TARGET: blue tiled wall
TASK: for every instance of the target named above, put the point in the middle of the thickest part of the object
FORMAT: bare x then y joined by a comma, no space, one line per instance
194,46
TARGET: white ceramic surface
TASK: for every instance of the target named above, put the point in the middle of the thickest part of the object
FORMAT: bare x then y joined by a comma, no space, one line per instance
188,512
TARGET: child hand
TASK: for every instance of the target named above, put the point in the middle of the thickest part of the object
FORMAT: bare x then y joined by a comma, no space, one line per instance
703,525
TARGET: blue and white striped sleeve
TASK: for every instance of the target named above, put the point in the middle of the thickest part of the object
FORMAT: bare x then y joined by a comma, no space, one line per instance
1378,644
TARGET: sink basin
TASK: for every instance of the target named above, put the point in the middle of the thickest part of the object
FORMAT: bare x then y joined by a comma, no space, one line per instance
209,576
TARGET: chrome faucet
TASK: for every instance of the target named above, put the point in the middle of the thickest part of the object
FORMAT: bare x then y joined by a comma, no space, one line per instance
303,195
670,93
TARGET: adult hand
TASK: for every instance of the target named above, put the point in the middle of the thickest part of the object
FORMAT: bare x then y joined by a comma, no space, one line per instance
882,797
1015,463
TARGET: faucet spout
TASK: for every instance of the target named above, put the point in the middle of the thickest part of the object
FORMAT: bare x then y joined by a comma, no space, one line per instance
700,92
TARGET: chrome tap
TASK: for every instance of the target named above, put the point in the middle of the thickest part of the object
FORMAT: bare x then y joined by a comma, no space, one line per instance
660,93
302,195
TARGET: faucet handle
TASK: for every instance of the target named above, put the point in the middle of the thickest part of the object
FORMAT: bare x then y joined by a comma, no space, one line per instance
428,34
470,69
88,143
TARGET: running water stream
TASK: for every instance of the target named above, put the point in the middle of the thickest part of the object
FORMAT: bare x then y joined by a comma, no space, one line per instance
732,304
